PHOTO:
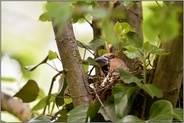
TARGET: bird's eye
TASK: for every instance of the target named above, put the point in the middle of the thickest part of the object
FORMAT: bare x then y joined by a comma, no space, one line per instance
111,56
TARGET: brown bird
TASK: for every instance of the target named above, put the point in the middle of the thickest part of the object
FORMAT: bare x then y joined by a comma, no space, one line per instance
110,63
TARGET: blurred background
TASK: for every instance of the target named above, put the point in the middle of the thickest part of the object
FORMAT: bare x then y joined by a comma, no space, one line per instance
26,41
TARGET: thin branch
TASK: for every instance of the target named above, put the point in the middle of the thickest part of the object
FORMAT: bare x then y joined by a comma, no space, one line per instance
51,86
52,67
102,104
158,4
87,49
87,21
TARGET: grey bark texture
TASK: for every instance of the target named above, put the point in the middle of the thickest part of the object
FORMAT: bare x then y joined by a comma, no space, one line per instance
169,69
72,63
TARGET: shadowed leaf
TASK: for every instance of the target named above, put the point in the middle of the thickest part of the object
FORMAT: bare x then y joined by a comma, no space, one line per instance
28,92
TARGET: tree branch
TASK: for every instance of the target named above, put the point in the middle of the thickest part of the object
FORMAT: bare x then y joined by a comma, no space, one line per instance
72,62
15,107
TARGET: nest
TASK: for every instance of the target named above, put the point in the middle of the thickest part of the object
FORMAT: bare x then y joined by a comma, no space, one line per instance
103,86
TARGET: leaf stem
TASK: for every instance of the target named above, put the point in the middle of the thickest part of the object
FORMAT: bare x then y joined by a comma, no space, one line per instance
144,67
50,90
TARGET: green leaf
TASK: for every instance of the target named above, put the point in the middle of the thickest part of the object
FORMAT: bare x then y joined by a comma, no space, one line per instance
158,51
134,39
131,55
41,93
40,118
146,46
128,77
43,102
166,26
102,51
151,89
122,101
131,118
93,109
109,111
32,67
126,28
60,13
52,55
60,97
131,48
78,114
29,92
92,61
117,28
161,111
63,116
92,45
45,17
108,33
95,43
8,79
99,13
178,114
86,68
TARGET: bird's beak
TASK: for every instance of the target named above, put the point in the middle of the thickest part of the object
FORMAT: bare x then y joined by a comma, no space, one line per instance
102,61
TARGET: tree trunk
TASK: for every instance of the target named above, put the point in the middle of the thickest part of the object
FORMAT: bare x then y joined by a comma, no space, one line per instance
169,69
72,63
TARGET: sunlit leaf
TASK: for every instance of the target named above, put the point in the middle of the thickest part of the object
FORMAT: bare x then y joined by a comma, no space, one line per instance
117,28
166,26
102,51
128,77
151,89
45,17
52,55
131,118
161,111
131,48
131,55
178,114
32,67
43,102
29,92
60,13
122,100
78,114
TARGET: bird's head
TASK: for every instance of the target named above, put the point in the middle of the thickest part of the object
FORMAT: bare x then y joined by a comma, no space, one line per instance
110,61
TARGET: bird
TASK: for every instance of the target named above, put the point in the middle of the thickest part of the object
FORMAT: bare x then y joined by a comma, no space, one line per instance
110,64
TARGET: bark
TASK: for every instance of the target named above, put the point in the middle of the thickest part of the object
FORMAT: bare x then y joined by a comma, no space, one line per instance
72,63
15,107
169,69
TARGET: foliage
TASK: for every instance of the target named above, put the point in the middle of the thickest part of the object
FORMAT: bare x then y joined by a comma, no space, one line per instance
121,35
